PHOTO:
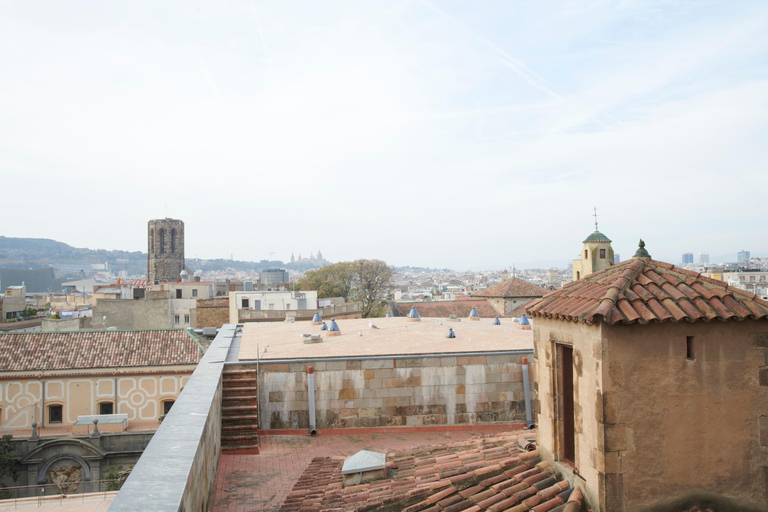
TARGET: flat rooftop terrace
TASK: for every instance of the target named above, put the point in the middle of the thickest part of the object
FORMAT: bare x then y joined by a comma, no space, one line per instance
395,336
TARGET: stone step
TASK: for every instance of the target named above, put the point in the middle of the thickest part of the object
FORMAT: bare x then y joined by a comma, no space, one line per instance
239,420
234,401
227,430
240,391
241,448
238,410
240,375
239,438
233,383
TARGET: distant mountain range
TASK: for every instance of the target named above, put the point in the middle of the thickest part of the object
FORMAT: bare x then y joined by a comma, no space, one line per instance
35,253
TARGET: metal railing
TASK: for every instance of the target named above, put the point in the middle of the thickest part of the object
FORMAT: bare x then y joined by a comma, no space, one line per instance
45,493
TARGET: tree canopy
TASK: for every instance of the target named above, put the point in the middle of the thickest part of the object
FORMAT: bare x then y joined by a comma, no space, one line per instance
366,281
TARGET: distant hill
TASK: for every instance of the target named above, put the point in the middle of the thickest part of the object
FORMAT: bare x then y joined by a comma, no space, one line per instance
38,253
43,252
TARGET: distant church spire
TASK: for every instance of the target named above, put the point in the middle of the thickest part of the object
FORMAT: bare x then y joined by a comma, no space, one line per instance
292,258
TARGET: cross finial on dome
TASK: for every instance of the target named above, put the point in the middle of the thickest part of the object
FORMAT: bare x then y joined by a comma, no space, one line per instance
595,215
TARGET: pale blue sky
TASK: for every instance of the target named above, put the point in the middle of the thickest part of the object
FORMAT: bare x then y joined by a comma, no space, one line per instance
430,133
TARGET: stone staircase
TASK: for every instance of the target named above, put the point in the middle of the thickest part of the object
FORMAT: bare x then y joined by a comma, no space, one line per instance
239,412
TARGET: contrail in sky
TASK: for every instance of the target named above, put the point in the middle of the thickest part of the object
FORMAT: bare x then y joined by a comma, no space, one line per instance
521,69
263,43
517,66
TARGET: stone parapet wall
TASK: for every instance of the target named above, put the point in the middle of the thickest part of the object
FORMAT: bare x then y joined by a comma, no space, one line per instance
414,392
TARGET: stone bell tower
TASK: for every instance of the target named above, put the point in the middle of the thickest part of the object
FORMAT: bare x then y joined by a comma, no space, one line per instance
596,254
165,249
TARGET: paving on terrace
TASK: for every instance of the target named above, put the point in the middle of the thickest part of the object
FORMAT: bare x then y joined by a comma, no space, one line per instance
394,336
642,290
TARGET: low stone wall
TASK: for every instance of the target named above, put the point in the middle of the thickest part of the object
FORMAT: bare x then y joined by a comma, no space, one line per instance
413,391
178,469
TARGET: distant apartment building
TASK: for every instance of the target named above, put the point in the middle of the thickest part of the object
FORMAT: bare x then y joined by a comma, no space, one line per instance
742,256
753,281
703,257
273,275
687,258
286,301
13,303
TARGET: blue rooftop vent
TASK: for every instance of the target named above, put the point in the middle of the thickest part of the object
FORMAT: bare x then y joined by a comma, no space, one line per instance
496,321
450,334
389,314
524,320
324,327
413,315
333,329
317,320
473,315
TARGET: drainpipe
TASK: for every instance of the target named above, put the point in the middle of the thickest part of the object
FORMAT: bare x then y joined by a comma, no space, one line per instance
311,389
527,390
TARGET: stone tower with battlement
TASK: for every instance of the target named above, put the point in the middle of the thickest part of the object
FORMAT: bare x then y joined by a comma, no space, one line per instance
165,249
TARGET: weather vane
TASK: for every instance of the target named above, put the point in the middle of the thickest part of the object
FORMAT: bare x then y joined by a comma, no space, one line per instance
595,214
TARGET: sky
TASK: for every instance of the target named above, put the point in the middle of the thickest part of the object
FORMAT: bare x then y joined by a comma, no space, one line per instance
434,133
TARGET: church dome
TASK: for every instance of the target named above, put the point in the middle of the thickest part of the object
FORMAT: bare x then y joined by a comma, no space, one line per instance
597,237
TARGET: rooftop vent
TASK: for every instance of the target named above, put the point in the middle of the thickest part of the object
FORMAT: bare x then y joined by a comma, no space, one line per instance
324,327
450,334
333,329
413,315
523,323
473,315
389,314
496,321
364,466
316,320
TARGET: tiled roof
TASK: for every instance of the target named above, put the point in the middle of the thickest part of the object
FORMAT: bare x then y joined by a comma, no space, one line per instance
38,351
444,309
483,474
512,288
643,290
596,237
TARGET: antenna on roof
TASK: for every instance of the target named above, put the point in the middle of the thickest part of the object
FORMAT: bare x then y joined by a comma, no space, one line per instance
595,215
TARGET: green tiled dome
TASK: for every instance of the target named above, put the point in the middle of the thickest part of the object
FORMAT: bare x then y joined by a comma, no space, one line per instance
596,237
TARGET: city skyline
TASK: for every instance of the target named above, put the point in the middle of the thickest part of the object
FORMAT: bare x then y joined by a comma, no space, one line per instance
433,134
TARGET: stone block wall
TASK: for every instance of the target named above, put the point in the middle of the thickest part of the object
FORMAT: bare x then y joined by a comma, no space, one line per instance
209,316
414,392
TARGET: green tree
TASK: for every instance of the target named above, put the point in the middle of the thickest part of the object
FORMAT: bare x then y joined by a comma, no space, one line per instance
337,280
7,462
118,475
373,282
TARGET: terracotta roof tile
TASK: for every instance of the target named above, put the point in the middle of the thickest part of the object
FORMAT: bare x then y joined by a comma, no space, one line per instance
504,477
38,351
444,309
642,290
511,288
